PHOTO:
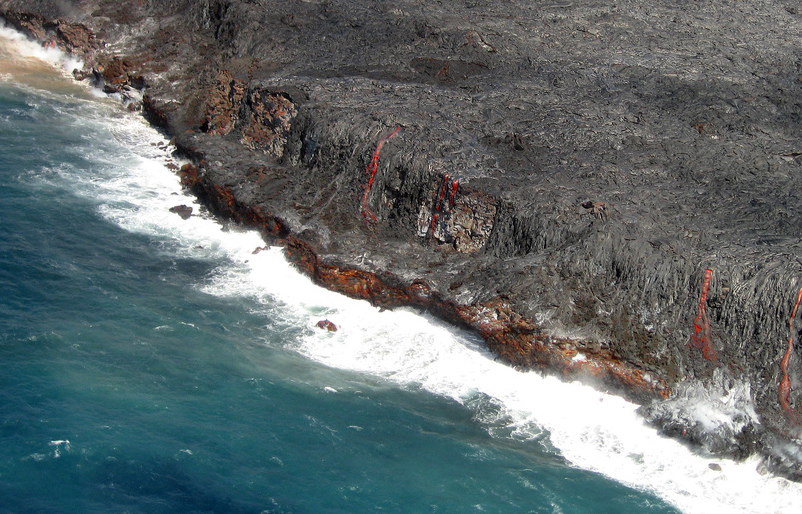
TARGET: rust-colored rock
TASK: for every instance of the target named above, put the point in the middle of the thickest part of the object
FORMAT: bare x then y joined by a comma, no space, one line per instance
515,339
327,325
521,342
223,104
76,37
467,221
69,37
269,121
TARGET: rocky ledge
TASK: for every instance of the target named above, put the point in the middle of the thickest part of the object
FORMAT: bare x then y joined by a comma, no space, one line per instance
608,192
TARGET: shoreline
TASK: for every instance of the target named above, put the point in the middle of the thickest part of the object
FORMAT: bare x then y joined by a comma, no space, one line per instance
471,228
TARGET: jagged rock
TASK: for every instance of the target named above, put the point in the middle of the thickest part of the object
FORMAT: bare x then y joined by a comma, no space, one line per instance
268,121
184,211
327,325
70,37
223,104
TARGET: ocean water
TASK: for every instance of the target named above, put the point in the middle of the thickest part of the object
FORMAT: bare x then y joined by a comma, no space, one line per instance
154,364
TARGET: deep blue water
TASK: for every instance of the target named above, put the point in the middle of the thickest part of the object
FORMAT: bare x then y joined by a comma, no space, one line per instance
142,370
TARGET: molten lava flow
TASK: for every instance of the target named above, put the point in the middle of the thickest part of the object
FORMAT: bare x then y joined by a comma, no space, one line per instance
454,187
438,206
701,337
372,168
785,383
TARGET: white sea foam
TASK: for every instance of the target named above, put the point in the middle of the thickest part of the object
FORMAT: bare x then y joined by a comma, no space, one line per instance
592,430
59,447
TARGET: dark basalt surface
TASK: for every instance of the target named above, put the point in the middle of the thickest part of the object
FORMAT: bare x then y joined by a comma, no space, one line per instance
564,172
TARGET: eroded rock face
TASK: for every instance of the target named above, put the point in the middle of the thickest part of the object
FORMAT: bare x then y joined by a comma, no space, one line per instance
463,220
224,101
268,122
68,36
261,116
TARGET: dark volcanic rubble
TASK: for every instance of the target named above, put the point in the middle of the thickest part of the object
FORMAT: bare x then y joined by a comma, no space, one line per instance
563,176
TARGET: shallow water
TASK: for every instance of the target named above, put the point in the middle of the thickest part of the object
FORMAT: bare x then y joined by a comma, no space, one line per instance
154,364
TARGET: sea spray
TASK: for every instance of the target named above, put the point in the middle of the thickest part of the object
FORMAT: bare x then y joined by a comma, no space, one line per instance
717,416
26,56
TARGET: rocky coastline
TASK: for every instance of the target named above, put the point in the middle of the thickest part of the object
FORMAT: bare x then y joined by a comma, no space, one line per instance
608,193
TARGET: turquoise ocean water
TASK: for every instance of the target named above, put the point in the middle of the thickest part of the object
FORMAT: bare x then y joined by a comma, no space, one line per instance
154,364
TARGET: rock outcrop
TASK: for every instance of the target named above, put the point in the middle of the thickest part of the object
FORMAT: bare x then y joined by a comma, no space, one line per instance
560,177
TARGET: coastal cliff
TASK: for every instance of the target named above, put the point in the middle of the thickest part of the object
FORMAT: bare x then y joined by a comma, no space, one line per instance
608,193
